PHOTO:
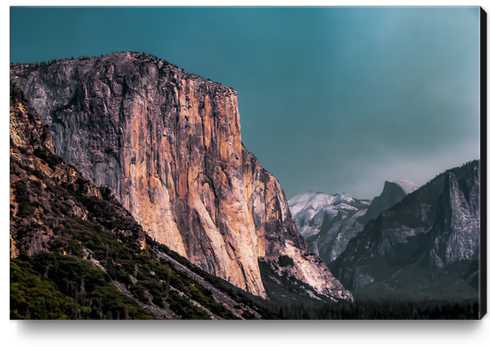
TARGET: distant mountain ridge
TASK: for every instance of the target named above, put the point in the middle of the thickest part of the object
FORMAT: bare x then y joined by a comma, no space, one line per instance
309,209
393,192
329,221
427,245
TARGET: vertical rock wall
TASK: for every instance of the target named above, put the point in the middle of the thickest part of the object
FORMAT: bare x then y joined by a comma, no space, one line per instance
168,145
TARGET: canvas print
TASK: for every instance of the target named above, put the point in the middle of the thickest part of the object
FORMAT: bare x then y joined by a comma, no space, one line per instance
246,163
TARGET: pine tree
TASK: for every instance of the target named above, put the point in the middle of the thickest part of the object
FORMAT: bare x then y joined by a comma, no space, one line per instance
82,292
167,285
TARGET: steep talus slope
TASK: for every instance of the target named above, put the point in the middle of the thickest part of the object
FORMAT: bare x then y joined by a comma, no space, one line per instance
427,244
76,253
328,221
168,145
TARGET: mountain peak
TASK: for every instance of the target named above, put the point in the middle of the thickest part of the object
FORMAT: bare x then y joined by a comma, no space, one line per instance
393,192
327,221
437,226
407,186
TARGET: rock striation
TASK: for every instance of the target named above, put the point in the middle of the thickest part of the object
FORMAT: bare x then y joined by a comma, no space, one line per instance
426,242
168,146
34,172
328,221
74,248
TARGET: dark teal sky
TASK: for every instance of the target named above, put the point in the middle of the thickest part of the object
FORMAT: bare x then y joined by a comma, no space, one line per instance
330,99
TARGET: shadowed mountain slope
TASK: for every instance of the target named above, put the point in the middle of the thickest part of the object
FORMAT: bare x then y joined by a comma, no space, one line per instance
427,245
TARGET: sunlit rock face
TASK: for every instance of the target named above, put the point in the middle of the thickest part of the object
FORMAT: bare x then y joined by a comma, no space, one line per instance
168,145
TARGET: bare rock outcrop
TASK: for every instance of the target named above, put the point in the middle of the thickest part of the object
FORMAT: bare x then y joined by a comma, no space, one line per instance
168,145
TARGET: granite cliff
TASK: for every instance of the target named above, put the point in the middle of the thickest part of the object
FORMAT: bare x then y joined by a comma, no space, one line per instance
76,253
34,171
427,245
167,145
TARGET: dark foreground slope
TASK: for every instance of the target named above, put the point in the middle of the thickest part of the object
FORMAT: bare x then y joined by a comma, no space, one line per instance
426,246
76,253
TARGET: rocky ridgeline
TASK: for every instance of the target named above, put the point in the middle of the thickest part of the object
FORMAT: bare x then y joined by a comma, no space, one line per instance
419,243
328,221
393,192
168,146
